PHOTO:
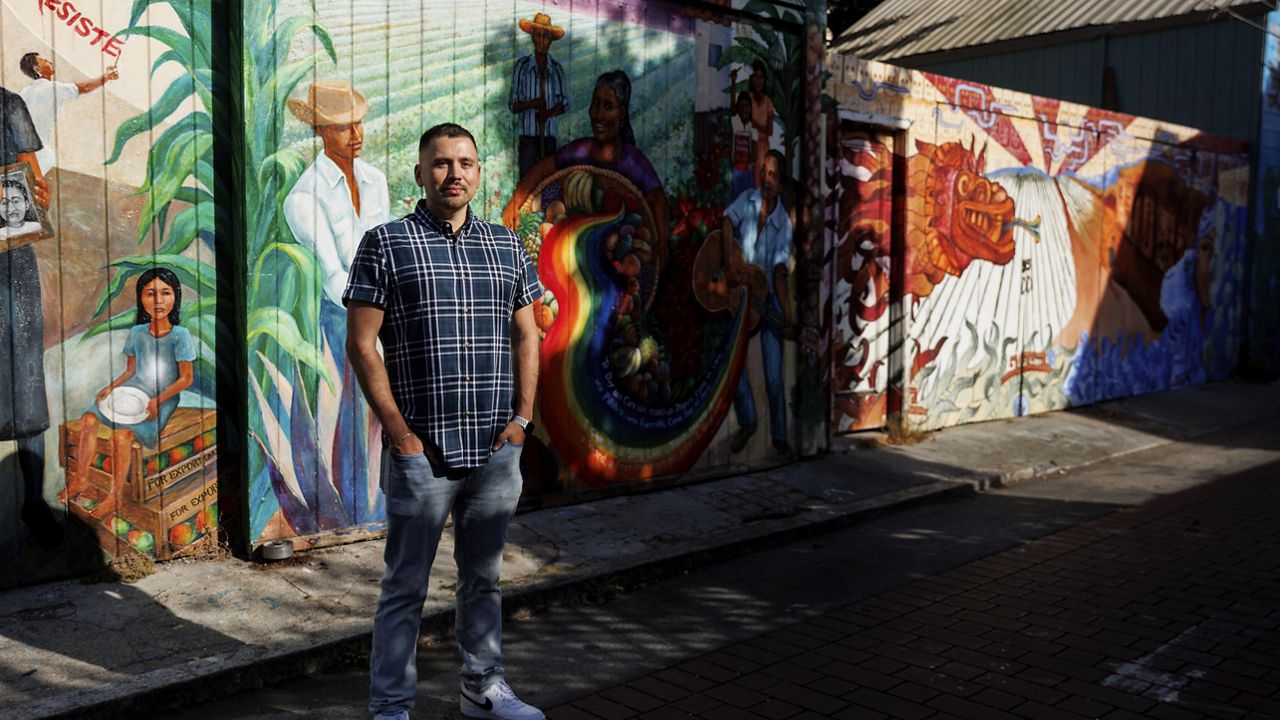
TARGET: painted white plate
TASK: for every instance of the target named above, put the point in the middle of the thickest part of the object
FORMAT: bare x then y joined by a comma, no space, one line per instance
125,405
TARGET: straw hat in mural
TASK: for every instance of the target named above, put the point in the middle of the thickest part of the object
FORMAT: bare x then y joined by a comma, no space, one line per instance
542,21
330,102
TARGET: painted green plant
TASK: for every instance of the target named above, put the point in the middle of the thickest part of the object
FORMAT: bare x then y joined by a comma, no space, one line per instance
179,179
283,276
292,376
283,282
780,51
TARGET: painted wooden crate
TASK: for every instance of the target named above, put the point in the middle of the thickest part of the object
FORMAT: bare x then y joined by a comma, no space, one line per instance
168,502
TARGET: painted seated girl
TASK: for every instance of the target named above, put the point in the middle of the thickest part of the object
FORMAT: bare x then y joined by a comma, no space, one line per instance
159,356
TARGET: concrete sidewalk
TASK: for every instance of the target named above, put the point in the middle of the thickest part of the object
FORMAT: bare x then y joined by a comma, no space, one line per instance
195,630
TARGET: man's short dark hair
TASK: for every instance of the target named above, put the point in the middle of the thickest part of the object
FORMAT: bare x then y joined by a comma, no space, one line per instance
449,130
781,159
28,65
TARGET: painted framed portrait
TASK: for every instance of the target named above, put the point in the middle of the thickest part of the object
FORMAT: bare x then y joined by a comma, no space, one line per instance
22,221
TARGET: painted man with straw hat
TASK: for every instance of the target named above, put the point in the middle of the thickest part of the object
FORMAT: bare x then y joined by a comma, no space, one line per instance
336,199
539,93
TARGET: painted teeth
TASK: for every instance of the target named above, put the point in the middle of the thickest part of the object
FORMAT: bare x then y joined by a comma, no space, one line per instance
978,219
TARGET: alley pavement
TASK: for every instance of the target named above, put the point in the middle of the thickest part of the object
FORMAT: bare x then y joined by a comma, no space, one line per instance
198,630
1169,609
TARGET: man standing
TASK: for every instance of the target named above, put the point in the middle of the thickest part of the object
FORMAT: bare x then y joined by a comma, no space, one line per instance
759,223
336,199
449,295
44,98
538,93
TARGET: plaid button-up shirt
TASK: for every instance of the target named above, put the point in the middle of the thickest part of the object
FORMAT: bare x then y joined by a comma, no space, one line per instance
448,299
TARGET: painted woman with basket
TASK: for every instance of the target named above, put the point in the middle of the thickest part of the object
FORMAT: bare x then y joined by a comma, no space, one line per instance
138,403
611,146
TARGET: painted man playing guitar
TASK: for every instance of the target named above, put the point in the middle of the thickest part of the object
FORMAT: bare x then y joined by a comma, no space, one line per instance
752,250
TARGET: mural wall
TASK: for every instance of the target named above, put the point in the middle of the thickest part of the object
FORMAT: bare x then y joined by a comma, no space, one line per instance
645,154
1052,254
1264,261
108,444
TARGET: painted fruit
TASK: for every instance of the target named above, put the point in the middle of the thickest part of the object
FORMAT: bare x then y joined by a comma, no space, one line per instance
642,250
612,201
182,534
626,361
197,445
555,210
207,520
146,543
120,526
544,317
134,536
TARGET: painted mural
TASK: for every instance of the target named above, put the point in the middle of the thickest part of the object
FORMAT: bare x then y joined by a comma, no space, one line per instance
645,154
1264,302
107,415
1053,255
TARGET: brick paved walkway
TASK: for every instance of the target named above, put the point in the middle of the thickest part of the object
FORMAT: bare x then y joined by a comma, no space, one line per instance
1169,610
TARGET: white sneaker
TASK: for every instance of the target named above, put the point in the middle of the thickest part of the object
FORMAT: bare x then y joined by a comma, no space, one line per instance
392,715
497,702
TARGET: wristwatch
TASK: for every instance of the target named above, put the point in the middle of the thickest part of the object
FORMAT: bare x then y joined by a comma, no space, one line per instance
523,422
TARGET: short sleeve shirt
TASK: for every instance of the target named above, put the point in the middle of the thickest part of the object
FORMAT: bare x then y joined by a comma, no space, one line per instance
17,133
44,100
448,299
762,246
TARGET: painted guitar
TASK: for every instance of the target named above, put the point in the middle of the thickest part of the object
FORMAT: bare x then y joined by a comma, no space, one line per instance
713,291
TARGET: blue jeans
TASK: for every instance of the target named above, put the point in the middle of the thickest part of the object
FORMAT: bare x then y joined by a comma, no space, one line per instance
744,403
420,496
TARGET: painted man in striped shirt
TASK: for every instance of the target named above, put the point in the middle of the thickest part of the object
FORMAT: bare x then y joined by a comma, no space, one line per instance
539,93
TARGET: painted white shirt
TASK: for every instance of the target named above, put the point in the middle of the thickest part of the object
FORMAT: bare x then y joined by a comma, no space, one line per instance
764,247
44,100
26,227
321,216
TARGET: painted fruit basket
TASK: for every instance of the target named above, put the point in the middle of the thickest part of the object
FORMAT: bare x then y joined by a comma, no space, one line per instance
588,190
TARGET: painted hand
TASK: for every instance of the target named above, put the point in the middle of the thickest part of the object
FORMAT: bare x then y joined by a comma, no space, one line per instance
41,193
